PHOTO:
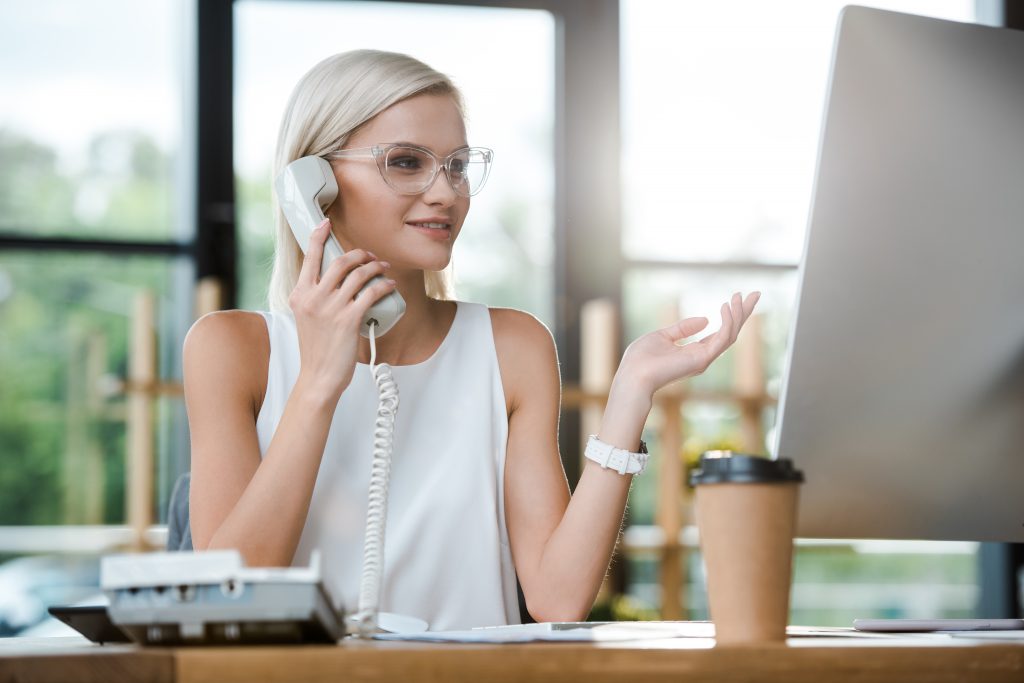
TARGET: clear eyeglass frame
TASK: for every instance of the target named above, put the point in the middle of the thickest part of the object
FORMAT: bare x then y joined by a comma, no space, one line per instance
459,181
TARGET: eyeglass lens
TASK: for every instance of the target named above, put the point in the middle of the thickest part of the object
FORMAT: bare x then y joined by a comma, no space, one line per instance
411,170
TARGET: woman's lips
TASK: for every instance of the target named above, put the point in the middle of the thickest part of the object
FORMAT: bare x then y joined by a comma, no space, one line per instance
439,233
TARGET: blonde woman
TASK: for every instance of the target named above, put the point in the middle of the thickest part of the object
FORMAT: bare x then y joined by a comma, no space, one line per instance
281,403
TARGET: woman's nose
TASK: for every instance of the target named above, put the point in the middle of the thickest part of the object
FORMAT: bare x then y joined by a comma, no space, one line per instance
440,191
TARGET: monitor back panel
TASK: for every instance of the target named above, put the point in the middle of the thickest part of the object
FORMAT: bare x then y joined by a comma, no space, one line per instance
904,393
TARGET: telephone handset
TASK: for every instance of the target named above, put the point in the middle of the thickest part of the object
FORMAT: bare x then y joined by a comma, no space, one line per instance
304,189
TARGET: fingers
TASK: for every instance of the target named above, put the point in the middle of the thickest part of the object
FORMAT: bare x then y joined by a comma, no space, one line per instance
358,276
734,314
685,328
736,311
357,264
310,271
749,303
377,288
724,336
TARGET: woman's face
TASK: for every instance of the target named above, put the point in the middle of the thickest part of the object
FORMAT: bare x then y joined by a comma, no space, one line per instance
369,214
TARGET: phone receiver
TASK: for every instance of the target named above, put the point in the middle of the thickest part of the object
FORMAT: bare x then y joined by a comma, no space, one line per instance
304,189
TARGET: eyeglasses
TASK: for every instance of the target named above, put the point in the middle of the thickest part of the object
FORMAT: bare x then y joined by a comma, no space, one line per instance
411,169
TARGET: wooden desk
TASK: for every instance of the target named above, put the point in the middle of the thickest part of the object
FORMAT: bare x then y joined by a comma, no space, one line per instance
692,660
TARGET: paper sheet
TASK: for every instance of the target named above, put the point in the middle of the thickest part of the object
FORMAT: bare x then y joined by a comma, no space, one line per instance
608,632
988,635
524,633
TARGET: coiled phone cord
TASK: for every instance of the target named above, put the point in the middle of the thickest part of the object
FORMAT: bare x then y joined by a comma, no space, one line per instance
376,511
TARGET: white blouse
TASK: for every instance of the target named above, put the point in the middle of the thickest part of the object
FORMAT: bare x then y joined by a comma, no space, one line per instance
446,557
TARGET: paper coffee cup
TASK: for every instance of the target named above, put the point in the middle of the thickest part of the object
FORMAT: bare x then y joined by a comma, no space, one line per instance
746,515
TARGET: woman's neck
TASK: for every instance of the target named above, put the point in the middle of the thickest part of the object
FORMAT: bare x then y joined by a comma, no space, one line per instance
419,331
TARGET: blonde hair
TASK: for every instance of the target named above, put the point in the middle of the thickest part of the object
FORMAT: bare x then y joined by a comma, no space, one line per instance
327,106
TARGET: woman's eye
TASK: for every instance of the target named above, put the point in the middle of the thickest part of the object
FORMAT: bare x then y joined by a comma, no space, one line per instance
407,163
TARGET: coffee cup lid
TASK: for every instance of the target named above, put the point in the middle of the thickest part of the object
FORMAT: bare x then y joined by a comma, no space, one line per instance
727,467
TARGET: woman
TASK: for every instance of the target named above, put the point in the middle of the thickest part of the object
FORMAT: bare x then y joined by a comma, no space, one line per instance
281,411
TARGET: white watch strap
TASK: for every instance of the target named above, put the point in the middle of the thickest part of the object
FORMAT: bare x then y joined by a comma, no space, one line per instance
618,459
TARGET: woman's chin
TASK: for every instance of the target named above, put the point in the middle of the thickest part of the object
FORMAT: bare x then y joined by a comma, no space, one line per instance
435,264
431,265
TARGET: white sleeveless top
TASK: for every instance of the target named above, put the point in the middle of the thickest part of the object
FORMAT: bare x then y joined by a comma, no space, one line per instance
446,556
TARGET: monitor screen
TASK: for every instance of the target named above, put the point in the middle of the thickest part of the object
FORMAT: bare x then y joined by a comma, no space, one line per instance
903,395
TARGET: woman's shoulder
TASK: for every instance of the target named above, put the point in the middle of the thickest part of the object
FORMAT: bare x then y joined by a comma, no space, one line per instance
526,353
230,344
523,342
514,326
230,326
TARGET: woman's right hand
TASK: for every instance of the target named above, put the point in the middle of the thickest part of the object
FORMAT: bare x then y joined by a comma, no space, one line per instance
328,315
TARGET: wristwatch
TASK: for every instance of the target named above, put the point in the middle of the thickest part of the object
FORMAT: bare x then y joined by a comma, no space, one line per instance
609,457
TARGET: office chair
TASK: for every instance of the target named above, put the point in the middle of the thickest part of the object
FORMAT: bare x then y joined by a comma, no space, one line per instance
179,531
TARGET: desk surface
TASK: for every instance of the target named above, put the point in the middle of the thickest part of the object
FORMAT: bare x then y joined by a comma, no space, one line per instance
936,660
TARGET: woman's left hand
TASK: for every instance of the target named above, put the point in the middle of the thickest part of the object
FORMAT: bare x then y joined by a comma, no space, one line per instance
655,359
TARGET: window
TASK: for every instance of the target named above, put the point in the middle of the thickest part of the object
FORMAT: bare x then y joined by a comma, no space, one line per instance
721,112
90,140
90,153
92,190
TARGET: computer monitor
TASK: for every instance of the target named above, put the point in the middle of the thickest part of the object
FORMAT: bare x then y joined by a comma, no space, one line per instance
903,395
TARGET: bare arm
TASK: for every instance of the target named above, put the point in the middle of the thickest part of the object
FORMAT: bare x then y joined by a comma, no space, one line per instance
576,556
562,546
239,500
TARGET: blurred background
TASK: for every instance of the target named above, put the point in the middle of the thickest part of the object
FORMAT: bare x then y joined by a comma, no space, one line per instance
652,157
